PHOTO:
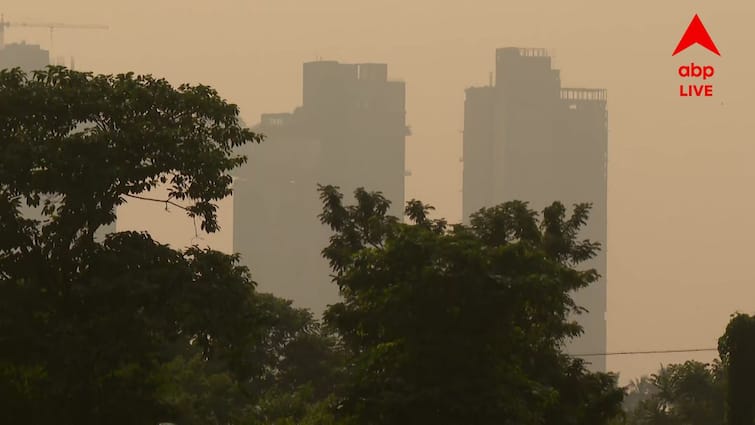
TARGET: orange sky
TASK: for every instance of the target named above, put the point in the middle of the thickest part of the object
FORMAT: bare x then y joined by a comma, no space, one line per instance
680,227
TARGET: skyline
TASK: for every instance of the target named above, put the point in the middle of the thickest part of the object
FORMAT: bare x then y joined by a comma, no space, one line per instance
677,167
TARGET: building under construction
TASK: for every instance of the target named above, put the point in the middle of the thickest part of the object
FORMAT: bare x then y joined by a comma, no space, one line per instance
350,132
527,138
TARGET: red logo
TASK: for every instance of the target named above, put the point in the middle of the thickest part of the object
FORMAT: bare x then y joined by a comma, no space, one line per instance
696,33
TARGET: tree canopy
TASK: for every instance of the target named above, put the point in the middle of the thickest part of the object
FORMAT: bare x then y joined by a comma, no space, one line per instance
86,328
695,393
461,324
679,394
737,350
134,132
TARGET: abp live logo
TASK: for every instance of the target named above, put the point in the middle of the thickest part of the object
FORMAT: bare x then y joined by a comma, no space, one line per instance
696,34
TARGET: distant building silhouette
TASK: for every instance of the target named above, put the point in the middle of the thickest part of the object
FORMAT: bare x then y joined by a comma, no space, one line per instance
350,131
527,138
31,57
28,57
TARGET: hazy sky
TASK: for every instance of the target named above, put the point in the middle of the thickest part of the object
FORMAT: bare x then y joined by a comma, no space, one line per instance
680,205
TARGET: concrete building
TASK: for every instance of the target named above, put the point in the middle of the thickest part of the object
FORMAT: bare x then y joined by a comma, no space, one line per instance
350,131
528,138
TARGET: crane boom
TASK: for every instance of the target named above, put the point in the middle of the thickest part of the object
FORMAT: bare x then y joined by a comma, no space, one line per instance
49,25
53,25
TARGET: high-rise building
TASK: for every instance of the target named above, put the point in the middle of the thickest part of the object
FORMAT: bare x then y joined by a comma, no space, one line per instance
527,138
350,132
31,57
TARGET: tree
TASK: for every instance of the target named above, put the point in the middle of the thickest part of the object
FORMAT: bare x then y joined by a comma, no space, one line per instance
638,391
86,327
737,350
688,393
297,365
94,140
305,366
461,324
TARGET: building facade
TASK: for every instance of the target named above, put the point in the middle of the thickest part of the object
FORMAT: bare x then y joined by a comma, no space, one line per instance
528,138
350,132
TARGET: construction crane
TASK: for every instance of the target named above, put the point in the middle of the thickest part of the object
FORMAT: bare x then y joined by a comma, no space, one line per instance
51,26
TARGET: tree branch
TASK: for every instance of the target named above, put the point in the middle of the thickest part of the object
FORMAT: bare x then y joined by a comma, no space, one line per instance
166,201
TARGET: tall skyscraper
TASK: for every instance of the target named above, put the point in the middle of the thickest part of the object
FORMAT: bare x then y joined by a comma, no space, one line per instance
31,57
527,138
350,132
